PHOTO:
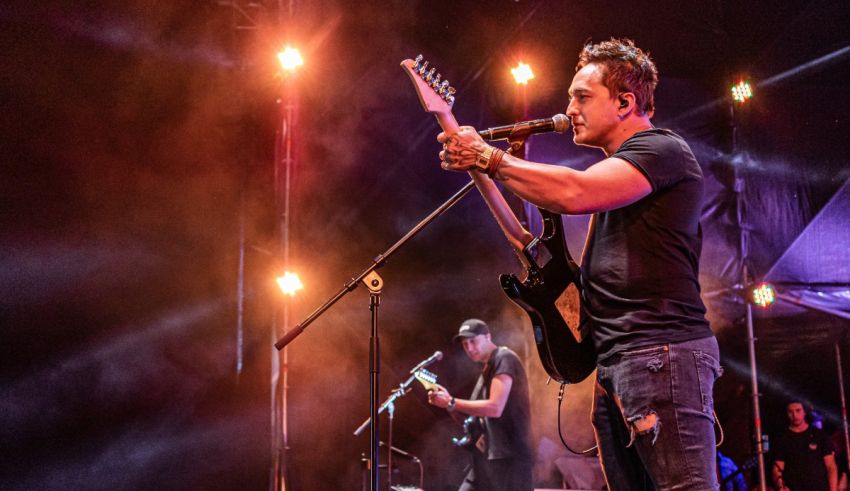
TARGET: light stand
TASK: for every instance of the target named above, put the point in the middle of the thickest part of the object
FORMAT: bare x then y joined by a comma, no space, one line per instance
754,384
751,339
843,401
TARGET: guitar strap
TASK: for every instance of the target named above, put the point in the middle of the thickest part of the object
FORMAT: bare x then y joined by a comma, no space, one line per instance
481,441
591,227
479,386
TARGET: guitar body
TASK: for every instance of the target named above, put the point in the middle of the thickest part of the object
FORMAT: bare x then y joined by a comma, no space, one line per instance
551,296
472,431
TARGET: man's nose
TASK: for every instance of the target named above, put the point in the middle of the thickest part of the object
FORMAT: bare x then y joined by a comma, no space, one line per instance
571,109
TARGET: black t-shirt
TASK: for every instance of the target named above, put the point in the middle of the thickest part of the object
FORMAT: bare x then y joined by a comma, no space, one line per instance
803,455
641,265
508,435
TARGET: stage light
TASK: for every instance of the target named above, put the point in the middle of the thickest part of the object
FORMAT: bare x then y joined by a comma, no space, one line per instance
763,295
289,283
741,91
522,73
290,59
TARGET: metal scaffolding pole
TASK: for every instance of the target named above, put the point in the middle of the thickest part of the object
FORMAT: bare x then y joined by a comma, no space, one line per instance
284,164
246,17
284,161
745,283
840,369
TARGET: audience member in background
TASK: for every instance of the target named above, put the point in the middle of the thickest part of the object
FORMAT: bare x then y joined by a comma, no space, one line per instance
804,459
731,478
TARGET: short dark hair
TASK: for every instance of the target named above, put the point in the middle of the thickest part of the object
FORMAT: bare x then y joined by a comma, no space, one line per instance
626,68
797,401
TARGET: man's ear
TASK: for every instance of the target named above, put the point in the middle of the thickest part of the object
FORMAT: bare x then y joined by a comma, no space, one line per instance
626,102
625,99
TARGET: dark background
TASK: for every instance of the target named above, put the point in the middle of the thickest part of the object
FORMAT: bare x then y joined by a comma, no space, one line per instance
138,166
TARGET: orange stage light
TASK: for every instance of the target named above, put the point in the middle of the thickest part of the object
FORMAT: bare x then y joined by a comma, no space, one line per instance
522,73
290,59
289,283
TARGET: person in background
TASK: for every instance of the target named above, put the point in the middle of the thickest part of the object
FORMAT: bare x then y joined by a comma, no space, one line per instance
804,459
731,478
499,428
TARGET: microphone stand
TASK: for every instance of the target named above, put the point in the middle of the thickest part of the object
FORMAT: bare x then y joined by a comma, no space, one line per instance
402,389
370,278
391,410
391,449
389,406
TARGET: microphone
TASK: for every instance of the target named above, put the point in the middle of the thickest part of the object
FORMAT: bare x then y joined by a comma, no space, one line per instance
558,123
437,356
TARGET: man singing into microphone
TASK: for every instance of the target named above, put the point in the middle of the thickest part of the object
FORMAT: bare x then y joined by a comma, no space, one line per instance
499,429
657,357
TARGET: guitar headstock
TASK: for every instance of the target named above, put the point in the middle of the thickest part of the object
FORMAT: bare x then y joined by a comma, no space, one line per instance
426,378
435,94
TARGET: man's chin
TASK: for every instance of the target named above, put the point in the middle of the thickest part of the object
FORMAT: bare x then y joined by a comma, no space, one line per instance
579,140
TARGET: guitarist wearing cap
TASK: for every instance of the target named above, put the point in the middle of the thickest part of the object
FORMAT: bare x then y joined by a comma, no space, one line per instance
499,406
657,358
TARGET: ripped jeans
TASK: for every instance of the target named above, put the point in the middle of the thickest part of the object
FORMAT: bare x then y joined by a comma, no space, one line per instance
653,417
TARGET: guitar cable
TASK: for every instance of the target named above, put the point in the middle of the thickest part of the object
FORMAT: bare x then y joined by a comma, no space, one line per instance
561,435
721,439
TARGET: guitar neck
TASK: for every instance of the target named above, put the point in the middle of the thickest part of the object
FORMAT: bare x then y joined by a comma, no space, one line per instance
518,236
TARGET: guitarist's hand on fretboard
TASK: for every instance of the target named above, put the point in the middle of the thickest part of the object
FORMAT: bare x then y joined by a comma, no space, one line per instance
439,396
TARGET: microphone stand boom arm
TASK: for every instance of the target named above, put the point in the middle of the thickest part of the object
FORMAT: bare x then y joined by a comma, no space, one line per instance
402,389
379,261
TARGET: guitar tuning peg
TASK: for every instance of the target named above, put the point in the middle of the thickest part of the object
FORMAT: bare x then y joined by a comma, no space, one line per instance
430,75
417,61
435,84
444,87
423,67
449,95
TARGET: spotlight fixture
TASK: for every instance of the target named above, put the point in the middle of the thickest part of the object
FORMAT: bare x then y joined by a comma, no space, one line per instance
762,295
289,283
290,59
522,73
741,92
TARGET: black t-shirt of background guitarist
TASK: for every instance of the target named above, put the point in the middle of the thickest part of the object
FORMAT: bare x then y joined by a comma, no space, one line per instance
508,437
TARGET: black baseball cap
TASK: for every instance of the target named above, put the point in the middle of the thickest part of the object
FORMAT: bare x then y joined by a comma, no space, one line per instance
471,328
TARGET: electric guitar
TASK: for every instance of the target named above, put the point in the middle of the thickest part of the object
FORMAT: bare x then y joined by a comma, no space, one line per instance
550,292
426,378
471,426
